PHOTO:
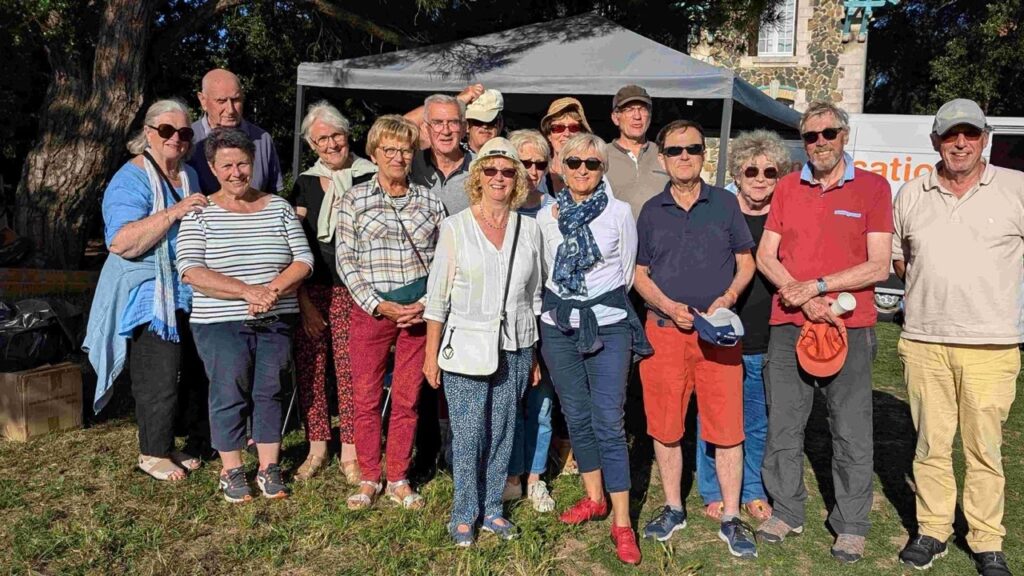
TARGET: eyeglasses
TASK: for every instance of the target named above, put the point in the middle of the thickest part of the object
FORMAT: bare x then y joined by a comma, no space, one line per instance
493,124
491,172
811,136
632,108
338,138
770,172
574,162
541,165
166,131
260,322
559,128
390,152
439,125
971,133
692,150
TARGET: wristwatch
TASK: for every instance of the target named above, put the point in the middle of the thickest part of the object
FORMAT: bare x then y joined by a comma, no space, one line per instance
822,287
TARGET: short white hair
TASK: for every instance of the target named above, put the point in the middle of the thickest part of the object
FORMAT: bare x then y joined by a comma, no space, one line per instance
520,138
325,112
581,142
138,143
443,99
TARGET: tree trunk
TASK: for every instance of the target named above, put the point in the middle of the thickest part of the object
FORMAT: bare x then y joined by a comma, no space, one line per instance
83,124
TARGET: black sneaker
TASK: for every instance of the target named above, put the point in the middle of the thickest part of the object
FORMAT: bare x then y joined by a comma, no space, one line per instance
921,551
271,482
992,564
234,487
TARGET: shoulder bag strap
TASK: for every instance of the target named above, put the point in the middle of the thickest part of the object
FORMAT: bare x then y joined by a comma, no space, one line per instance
511,261
163,176
409,238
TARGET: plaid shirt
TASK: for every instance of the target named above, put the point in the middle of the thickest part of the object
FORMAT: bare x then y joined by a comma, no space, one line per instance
373,252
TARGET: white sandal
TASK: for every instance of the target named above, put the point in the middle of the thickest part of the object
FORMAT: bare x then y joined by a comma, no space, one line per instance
186,461
160,468
361,501
411,501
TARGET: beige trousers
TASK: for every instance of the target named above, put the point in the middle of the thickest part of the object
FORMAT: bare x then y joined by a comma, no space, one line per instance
973,387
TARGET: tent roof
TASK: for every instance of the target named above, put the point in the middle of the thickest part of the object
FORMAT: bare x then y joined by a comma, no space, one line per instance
584,54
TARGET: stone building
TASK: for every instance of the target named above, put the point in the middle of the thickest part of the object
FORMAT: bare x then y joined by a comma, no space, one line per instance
814,50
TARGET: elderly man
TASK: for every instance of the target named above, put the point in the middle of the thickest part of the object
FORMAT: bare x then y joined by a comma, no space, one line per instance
222,101
959,244
693,257
634,171
483,119
829,231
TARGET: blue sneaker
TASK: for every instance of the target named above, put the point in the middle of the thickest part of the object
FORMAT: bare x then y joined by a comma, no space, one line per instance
740,538
662,526
234,487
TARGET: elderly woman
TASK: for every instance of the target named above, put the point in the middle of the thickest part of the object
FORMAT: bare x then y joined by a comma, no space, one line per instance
533,419
387,231
590,331
245,256
324,302
141,309
487,267
756,160
564,119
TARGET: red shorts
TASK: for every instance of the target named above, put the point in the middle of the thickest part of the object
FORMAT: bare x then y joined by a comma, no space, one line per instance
681,364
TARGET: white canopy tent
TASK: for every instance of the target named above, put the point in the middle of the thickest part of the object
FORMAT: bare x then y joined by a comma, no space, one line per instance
579,55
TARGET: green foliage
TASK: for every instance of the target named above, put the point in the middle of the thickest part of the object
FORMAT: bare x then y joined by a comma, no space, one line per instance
922,53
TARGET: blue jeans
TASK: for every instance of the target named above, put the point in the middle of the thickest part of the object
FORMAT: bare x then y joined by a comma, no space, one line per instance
244,366
755,429
592,390
533,429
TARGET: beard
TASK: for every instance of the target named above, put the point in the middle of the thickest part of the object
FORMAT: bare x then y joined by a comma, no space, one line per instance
825,164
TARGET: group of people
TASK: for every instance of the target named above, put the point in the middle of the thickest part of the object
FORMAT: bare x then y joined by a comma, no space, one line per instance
546,271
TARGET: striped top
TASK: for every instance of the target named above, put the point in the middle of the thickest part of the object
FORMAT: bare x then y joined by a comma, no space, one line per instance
253,248
374,255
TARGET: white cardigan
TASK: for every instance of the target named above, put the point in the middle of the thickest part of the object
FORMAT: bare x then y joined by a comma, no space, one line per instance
467,277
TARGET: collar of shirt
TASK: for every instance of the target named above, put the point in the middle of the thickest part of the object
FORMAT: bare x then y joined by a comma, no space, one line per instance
467,157
204,123
933,178
807,175
411,192
635,157
666,198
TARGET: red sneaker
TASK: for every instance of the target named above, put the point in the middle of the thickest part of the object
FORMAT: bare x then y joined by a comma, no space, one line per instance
625,544
584,510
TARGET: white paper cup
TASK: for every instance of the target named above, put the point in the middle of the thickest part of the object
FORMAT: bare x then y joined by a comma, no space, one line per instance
845,302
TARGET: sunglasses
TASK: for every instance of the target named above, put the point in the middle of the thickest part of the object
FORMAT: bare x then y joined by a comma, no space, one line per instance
541,165
770,173
970,133
491,172
692,150
559,128
166,131
481,124
811,136
573,163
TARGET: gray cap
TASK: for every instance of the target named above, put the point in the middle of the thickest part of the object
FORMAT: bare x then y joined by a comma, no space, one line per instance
956,112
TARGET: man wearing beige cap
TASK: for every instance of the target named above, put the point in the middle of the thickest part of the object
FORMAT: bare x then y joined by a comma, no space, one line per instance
483,119
634,172
959,245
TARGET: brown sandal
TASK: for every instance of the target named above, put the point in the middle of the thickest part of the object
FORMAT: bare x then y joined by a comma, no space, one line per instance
350,470
310,468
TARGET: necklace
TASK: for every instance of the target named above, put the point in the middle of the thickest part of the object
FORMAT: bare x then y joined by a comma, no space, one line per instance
487,222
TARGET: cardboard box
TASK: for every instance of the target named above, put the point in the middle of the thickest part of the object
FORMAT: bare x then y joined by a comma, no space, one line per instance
40,401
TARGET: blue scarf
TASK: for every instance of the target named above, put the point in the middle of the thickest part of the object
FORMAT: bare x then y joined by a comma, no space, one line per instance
578,251
164,322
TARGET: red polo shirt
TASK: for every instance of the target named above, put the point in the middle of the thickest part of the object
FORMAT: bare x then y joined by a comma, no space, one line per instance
825,232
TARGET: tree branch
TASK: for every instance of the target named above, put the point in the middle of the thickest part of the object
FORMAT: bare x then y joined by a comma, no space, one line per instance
195,19
335,12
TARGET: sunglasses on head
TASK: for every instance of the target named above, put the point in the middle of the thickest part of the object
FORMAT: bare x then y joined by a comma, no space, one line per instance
770,172
541,165
574,162
491,172
692,150
559,128
166,131
811,136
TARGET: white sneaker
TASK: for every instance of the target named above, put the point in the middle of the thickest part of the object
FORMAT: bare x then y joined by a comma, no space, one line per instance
540,497
511,492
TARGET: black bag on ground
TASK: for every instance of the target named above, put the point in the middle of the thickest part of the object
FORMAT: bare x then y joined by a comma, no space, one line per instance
38,331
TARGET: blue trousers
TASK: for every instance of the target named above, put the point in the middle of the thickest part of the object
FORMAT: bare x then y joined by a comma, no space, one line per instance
592,391
482,410
533,429
755,430
244,366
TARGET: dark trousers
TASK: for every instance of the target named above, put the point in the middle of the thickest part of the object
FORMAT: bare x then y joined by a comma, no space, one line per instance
168,384
245,366
790,396
592,392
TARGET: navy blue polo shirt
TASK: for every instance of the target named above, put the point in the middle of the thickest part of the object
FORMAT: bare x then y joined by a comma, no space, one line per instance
691,254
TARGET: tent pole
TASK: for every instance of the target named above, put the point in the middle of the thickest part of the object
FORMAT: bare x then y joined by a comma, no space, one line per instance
300,92
723,141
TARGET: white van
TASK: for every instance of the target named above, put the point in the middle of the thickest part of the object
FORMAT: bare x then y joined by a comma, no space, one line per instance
899,148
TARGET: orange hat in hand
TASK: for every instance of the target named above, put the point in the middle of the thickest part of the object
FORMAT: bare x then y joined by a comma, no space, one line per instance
821,348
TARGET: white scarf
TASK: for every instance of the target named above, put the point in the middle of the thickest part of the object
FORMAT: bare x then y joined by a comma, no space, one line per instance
341,181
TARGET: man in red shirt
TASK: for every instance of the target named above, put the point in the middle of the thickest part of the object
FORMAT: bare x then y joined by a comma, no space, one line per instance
829,231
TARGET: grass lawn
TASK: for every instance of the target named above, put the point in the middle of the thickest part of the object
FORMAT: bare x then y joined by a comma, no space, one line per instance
74,504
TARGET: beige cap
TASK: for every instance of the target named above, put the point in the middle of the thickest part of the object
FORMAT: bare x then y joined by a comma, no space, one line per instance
486,107
558,107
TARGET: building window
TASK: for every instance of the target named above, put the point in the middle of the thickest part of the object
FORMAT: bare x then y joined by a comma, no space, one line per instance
776,38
